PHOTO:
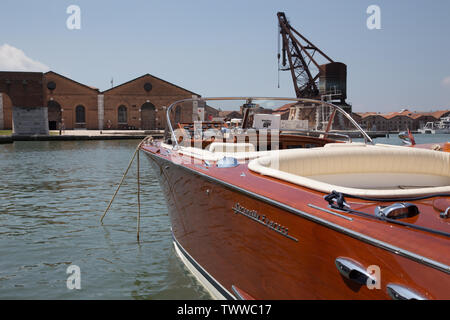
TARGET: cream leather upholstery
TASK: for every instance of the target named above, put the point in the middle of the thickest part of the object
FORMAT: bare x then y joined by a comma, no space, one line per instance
231,147
198,153
208,155
363,170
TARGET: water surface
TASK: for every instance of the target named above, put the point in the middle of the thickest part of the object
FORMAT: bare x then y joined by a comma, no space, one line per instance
52,195
419,138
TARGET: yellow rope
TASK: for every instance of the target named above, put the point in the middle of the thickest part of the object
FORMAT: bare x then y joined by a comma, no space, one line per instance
138,198
136,152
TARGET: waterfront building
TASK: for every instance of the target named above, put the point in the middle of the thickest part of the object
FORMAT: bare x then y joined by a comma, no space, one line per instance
35,102
53,100
397,121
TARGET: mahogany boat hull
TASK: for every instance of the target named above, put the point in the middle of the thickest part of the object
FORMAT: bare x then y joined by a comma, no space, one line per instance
242,241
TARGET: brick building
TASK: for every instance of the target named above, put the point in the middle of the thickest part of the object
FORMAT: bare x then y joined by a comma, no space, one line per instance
141,103
71,101
22,97
137,104
398,121
35,102
373,121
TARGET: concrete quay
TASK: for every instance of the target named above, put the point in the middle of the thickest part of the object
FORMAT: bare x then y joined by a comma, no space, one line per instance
68,135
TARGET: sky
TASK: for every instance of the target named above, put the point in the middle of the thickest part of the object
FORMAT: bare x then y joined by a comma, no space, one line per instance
229,48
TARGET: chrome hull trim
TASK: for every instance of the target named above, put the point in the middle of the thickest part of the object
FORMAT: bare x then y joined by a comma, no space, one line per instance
359,236
215,289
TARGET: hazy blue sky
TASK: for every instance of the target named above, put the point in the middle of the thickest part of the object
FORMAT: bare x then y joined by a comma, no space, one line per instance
228,48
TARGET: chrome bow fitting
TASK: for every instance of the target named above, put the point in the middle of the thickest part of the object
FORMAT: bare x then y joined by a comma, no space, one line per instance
397,211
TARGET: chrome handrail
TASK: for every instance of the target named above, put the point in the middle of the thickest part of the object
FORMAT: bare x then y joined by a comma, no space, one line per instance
367,139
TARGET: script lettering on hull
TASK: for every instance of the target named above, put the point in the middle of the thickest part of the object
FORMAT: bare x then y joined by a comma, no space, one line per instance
262,219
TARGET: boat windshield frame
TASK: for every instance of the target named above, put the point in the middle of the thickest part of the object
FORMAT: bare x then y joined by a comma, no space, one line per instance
367,139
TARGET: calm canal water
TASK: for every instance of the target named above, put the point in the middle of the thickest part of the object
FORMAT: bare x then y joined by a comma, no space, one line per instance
419,138
52,195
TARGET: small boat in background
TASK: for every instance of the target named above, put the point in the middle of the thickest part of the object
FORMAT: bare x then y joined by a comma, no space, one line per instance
407,138
260,212
439,127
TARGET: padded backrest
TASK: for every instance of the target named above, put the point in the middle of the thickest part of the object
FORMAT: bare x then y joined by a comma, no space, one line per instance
365,159
231,147
301,166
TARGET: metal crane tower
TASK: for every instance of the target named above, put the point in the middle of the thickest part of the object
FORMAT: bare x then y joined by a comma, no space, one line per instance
311,80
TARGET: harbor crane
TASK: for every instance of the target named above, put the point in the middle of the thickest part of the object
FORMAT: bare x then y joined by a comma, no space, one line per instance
301,57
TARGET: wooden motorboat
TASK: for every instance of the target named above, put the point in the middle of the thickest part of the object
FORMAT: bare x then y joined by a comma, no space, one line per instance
306,215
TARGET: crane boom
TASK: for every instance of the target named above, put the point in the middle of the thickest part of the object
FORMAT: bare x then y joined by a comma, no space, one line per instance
304,68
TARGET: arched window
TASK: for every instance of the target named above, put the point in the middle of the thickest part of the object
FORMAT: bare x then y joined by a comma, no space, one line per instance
80,114
122,114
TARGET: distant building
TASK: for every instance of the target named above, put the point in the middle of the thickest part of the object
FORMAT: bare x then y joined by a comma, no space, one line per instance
137,104
22,100
287,111
397,121
373,121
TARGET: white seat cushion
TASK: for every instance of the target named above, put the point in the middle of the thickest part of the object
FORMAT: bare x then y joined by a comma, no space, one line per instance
361,170
231,147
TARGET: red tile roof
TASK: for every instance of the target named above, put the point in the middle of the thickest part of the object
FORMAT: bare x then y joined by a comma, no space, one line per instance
405,113
387,116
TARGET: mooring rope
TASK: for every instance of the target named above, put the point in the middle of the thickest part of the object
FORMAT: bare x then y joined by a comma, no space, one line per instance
135,154
138,197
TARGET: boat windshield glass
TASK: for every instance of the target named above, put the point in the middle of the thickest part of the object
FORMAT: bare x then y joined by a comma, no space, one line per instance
236,119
